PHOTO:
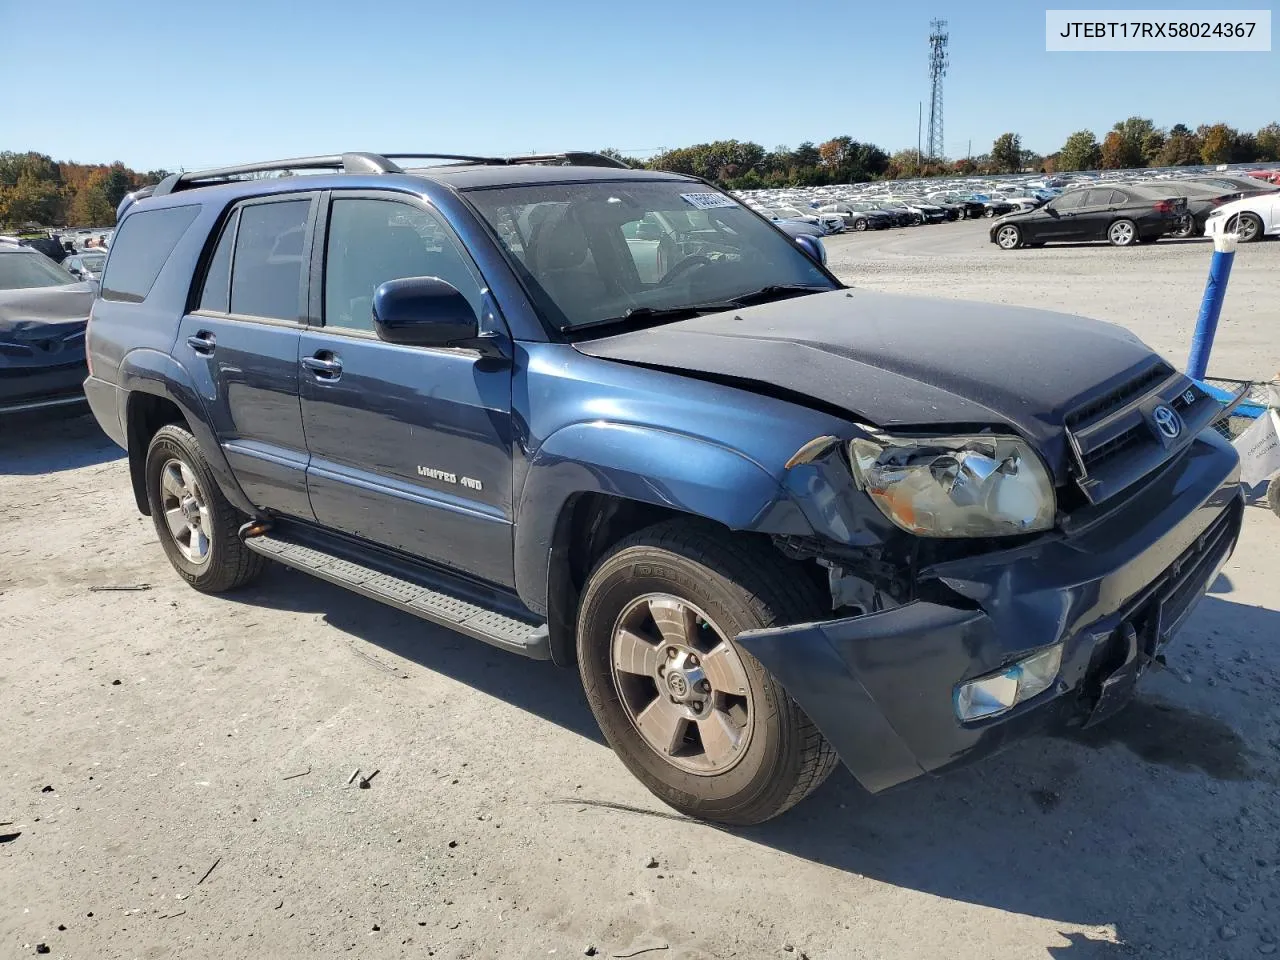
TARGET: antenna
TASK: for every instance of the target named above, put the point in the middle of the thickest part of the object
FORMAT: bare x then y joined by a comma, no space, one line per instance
938,63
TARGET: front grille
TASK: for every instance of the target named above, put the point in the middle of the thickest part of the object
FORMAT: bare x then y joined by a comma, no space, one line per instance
1114,438
1110,402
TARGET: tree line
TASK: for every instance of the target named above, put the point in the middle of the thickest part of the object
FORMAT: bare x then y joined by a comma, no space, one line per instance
34,188
1131,143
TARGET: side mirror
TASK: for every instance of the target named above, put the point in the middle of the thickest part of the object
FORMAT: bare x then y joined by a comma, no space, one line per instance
423,312
812,247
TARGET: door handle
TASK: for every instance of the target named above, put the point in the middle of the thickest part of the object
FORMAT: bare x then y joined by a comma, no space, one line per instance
324,366
203,342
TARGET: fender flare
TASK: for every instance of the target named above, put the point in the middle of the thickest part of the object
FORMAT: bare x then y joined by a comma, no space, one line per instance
648,465
147,371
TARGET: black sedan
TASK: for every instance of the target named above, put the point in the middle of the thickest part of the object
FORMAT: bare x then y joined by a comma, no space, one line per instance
1122,215
43,313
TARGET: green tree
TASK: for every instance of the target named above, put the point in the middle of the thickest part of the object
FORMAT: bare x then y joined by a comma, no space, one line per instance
1132,135
1006,153
1268,141
806,155
1080,152
607,152
1179,150
119,182
1152,144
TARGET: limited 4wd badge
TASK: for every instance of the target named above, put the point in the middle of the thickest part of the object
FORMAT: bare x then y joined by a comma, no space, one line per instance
708,201
445,476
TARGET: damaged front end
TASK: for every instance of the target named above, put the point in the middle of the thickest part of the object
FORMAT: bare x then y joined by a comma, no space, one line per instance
942,650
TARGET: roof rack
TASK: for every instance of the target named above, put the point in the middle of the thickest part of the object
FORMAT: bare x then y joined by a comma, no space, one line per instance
353,163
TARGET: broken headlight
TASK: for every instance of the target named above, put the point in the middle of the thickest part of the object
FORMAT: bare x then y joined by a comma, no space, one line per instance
979,486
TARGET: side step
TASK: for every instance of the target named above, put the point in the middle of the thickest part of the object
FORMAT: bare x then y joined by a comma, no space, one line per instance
422,592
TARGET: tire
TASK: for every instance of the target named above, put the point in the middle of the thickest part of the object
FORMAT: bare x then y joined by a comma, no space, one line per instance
713,587
175,471
1273,494
860,224
1122,233
988,212
1009,237
1249,229
1186,227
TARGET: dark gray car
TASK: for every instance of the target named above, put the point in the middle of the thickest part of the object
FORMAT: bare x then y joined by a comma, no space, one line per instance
43,313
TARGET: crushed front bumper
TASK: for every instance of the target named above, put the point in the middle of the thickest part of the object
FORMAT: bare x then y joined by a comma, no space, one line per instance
881,686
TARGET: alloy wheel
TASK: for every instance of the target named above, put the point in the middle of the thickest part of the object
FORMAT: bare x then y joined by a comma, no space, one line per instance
1121,233
682,684
1008,237
186,511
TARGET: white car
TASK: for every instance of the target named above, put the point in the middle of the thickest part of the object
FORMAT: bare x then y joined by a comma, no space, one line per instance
1250,218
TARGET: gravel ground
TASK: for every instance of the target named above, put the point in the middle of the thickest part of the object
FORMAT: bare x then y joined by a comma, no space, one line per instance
174,774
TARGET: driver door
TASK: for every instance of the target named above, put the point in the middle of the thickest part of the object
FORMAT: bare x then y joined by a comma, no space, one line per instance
1059,221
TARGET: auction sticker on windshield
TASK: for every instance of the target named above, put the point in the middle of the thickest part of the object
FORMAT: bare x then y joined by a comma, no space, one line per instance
708,201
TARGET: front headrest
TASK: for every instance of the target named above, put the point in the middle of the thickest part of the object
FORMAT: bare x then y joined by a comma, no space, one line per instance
563,245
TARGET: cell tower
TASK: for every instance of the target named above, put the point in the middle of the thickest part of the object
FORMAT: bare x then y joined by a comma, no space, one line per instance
938,63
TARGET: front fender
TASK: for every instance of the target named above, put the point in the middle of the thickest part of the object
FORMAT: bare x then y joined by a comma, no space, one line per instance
145,371
647,465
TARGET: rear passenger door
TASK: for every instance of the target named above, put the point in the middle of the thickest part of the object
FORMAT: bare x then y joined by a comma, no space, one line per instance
1096,213
410,446
241,346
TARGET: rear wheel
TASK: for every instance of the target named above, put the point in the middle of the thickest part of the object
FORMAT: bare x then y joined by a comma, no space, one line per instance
694,717
198,528
1009,237
1123,233
860,224
1185,227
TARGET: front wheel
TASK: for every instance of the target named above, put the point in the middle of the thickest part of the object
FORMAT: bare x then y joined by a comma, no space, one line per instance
860,224
694,717
1123,233
1009,237
1249,228
197,527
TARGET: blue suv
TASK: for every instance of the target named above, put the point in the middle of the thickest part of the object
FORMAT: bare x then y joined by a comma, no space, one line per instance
617,419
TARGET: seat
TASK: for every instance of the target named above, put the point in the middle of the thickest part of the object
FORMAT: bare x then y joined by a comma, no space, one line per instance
565,268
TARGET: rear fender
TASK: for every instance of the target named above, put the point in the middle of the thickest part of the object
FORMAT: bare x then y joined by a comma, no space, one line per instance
146,371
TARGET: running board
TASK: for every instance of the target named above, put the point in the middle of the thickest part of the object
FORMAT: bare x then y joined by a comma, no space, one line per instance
422,592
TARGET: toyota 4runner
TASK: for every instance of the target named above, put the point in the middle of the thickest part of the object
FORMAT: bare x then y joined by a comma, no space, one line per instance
617,419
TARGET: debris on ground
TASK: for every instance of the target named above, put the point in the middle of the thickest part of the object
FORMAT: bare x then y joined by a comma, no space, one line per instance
352,779
46,789
207,872
295,776
365,781
42,948
650,863
642,950
121,588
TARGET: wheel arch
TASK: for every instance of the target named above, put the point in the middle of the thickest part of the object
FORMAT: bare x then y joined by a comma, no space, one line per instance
159,391
591,485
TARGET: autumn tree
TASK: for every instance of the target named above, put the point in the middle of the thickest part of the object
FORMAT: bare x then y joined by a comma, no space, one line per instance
1179,150
90,206
1217,143
1268,142
1080,152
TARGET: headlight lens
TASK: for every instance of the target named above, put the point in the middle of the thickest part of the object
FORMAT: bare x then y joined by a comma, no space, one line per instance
979,486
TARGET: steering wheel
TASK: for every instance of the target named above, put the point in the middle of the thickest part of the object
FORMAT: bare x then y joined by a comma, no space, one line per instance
693,260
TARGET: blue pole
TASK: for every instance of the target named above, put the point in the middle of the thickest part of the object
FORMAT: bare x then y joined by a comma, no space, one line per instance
1224,253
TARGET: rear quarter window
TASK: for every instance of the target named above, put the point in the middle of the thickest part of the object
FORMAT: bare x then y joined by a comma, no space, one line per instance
141,247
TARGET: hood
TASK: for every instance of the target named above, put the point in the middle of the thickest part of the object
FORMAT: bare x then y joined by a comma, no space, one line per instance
904,362
45,311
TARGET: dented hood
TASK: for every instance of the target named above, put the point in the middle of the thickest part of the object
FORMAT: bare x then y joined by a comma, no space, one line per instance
903,362
44,311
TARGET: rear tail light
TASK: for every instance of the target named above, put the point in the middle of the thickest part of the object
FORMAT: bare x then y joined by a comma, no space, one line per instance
1164,206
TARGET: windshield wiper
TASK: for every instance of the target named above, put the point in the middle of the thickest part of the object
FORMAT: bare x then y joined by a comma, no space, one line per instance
777,291
643,314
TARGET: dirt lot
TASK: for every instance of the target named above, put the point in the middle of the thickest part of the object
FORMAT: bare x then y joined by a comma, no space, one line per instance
174,768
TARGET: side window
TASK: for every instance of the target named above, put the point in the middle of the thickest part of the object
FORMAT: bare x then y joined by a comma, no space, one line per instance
1118,199
269,269
1098,198
1068,201
216,296
140,249
373,241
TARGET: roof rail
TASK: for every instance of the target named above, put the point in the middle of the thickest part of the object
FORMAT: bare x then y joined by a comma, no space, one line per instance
575,158
345,162
352,163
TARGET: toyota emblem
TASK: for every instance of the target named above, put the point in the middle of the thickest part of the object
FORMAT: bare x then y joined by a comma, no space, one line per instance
1166,421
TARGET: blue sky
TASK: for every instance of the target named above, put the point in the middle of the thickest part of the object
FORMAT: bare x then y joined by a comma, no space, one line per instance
195,84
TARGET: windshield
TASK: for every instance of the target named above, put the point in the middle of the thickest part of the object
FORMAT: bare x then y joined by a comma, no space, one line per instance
94,261
595,252
19,271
